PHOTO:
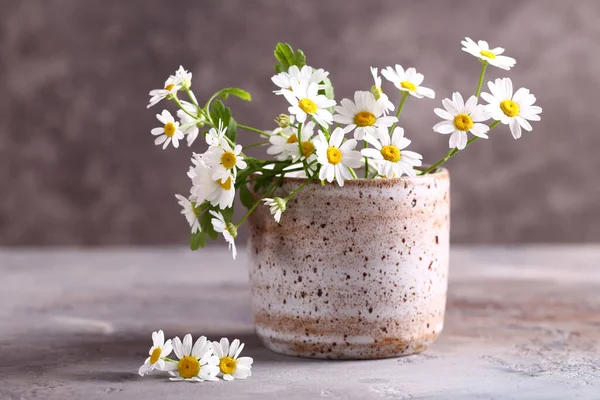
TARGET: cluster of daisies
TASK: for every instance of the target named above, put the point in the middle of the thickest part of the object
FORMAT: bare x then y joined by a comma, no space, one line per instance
202,361
318,139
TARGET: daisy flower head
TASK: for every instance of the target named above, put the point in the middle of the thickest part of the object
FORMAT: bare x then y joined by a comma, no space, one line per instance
407,81
482,50
182,77
231,365
365,113
224,160
169,132
390,156
159,349
378,92
305,101
514,110
297,76
170,89
307,136
282,140
205,188
191,213
336,158
460,118
214,137
195,363
228,230
276,206
189,125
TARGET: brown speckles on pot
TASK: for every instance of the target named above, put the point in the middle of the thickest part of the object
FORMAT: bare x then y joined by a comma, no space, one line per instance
353,272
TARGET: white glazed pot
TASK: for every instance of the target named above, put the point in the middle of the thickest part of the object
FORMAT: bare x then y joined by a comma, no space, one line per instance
352,272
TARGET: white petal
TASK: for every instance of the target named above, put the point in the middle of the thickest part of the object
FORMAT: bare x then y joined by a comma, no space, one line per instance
444,127
187,344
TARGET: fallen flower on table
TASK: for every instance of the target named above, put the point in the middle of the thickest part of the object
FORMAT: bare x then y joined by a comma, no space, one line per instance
204,361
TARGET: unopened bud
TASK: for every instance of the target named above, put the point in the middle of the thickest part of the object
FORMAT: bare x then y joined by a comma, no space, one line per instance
232,229
283,120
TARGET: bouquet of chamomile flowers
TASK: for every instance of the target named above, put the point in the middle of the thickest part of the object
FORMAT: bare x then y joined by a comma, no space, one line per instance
319,138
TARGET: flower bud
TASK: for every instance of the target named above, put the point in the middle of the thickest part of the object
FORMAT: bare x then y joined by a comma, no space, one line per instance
283,120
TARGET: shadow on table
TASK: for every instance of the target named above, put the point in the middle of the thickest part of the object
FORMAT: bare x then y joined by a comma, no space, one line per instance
78,352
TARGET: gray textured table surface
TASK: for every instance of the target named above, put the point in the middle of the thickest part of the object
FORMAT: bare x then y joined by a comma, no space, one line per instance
521,323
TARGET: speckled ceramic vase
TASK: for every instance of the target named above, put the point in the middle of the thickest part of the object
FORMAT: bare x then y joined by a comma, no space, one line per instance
352,272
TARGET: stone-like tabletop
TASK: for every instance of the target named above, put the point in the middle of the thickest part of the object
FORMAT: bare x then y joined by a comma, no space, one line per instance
522,322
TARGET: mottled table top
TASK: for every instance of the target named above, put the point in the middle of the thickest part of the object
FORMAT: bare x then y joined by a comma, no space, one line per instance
75,324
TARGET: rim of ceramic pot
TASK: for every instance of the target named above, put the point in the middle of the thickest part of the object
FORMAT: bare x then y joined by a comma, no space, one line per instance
440,173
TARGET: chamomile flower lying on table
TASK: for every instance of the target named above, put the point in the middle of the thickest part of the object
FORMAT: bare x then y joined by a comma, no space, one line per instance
231,365
311,143
159,350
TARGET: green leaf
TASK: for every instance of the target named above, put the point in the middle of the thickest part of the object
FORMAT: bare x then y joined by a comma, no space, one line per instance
287,57
231,128
227,214
246,197
239,93
207,227
300,58
198,240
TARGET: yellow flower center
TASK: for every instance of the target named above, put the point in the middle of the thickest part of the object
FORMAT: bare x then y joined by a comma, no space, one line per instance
308,106
226,185
463,122
391,153
169,129
364,118
307,148
228,159
293,139
169,87
334,155
188,367
509,108
488,54
408,86
227,365
155,355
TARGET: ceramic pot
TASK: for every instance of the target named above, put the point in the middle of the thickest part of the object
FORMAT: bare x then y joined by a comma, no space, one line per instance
352,272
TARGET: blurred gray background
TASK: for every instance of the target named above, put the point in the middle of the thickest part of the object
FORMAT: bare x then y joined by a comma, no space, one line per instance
77,161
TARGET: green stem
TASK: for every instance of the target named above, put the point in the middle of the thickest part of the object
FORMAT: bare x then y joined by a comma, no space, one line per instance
453,152
192,97
251,210
483,68
366,162
169,359
353,173
400,106
254,145
176,100
251,129
289,196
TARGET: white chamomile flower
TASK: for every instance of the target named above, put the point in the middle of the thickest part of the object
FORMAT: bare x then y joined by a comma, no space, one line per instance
482,51
378,92
214,137
228,229
189,125
307,135
407,81
276,207
224,160
296,76
231,365
305,101
205,188
169,132
195,363
389,154
336,157
365,114
159,349
182,77
190,212
170,89
460,118
512,110
281,139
